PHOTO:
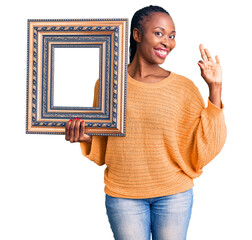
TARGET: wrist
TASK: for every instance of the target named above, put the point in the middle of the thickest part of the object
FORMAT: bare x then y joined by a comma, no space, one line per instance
215,86
215,95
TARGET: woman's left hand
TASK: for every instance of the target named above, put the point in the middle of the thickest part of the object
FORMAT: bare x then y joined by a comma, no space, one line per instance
210,70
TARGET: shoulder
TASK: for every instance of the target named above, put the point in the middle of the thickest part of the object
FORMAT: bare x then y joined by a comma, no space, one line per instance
190,90
185,80
97,83
96,87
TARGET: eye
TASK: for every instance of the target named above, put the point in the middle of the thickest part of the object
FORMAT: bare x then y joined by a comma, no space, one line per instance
172,36
158,34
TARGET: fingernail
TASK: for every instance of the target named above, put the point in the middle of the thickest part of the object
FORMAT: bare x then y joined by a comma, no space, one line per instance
198,64
71,120
83,121
75,118
78,118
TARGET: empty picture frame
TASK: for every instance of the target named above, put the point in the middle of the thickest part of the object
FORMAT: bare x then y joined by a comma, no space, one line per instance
71,58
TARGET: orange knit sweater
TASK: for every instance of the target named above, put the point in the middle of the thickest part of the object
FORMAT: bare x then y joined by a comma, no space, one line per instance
170,137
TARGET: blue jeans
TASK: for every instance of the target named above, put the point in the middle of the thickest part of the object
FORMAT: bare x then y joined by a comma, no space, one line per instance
166,217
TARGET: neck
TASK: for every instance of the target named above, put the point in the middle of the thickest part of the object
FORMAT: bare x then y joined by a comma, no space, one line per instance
140,68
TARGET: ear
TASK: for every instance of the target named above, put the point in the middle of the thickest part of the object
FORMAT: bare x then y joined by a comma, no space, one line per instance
137,35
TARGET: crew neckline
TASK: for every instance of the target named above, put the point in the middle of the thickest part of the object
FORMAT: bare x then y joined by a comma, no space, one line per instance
149,85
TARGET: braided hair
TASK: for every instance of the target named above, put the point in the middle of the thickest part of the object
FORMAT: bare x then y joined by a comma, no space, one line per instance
135,23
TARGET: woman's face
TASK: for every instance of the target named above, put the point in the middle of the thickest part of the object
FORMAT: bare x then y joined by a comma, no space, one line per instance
158,38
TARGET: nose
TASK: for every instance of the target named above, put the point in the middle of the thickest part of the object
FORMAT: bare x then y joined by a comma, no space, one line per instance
165,42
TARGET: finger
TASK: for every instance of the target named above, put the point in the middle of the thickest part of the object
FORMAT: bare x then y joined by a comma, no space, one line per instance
201,64
217,59
67,130
77,130
82,128
208,55
72,126
203,54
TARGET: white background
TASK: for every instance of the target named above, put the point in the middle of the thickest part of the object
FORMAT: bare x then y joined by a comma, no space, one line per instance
48,190
75,76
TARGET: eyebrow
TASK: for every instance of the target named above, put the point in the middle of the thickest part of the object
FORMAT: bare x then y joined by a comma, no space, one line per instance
163,29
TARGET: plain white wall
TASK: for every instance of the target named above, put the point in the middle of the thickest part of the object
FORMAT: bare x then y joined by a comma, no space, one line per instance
48,190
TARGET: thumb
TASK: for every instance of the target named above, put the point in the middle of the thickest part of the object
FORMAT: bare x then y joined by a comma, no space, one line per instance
83,135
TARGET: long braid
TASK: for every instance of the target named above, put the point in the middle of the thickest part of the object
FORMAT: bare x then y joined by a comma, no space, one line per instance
136,23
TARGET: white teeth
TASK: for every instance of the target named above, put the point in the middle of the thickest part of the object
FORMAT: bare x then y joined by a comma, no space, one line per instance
162,52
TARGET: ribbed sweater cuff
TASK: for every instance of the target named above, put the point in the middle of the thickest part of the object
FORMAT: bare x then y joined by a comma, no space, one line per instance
213,110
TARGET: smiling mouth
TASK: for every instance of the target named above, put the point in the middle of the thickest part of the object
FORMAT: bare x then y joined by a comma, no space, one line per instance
161,53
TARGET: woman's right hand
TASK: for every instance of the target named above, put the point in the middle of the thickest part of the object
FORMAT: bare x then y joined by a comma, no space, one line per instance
75,131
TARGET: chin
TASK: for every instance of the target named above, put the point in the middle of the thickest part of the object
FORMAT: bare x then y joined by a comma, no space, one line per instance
160,61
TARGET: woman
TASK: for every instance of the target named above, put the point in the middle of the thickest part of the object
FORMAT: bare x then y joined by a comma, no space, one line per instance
170,136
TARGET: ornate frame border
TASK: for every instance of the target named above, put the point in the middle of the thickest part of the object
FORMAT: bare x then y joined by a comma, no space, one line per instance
110,36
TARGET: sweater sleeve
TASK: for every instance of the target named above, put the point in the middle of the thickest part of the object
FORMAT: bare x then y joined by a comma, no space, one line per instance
209,136
95,151
203,129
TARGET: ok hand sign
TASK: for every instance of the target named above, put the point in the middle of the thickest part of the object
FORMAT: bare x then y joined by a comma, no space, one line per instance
210,71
